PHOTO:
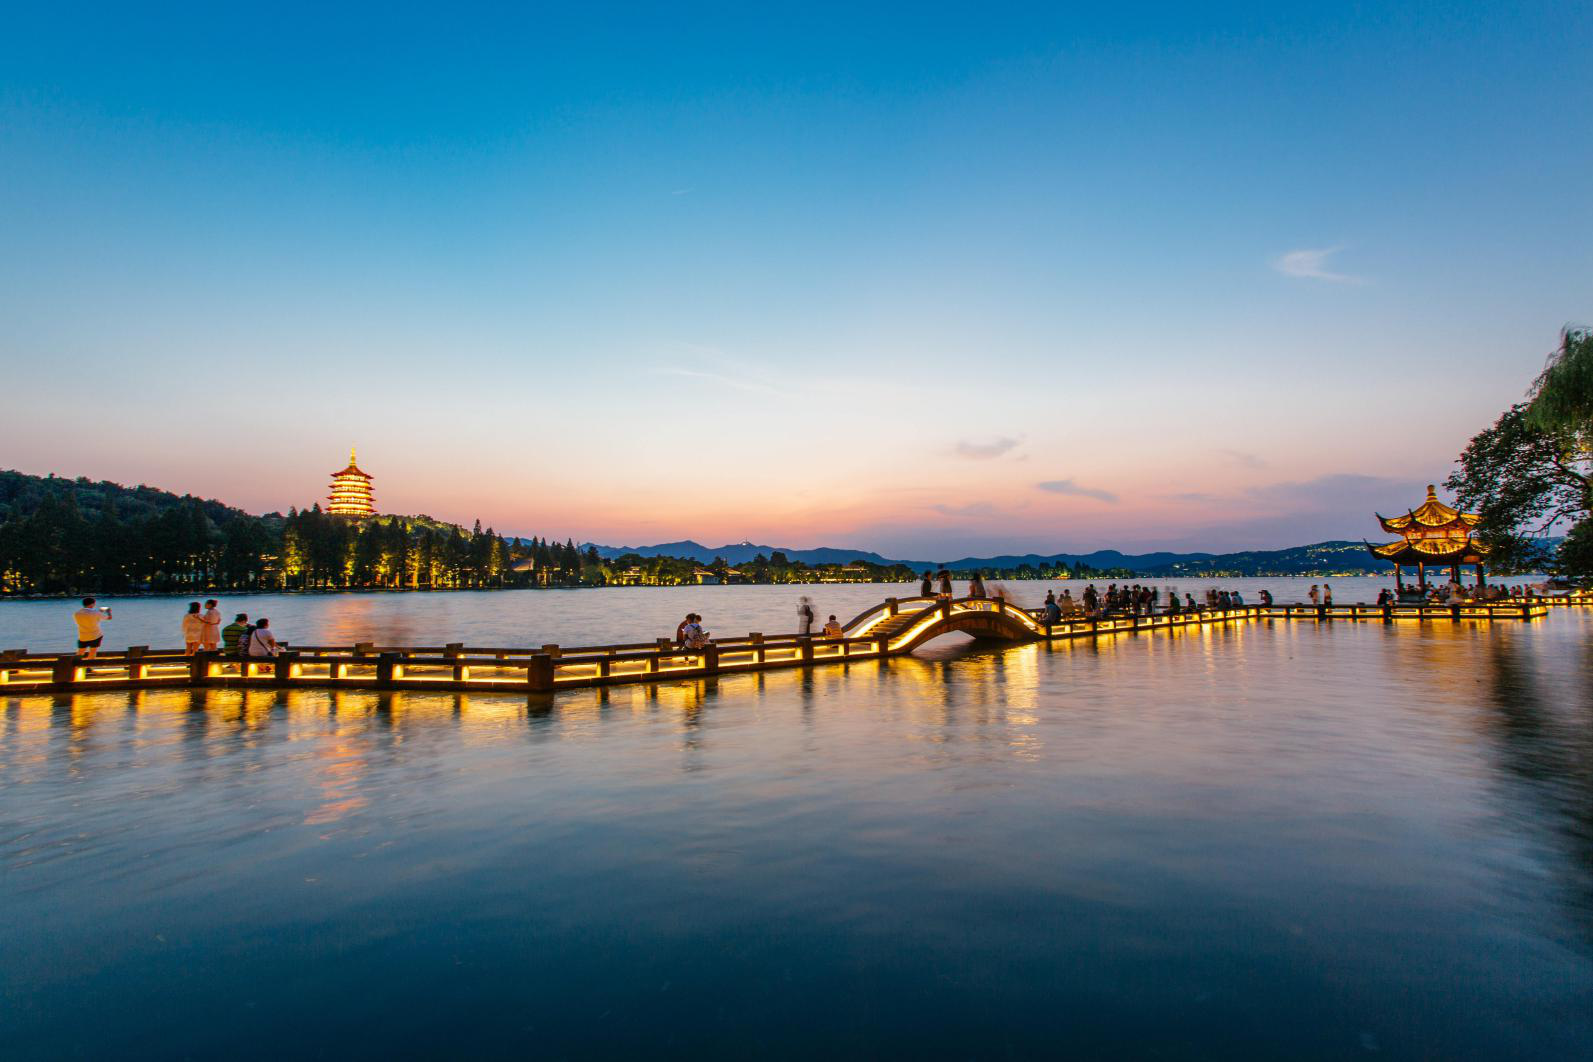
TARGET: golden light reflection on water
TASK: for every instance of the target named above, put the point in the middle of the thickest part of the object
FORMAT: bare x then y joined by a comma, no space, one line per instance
946,693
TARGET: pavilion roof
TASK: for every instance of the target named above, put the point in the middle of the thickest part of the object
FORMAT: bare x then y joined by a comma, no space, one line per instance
1435,551
1430,515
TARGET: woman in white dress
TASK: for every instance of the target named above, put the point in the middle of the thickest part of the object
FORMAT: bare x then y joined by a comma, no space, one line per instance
193,629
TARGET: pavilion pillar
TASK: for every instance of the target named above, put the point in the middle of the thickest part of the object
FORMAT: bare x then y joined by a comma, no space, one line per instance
1399,578
1421,576
1482,578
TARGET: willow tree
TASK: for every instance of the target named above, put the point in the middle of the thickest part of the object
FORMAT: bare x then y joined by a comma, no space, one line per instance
1561,399
1531,473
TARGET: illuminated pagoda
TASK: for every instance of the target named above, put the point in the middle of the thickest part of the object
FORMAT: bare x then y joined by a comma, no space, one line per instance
351,491
1431,535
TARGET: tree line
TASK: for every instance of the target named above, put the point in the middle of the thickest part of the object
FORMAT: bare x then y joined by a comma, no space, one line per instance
60,536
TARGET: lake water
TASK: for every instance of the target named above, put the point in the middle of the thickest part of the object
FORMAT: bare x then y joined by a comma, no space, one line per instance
530,618
1276,840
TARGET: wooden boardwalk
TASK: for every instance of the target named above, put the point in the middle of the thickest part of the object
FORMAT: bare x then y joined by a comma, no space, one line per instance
892,628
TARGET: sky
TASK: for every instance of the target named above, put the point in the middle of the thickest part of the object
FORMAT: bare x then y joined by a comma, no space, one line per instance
929,280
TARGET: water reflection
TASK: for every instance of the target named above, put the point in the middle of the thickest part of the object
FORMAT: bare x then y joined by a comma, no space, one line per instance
1545,745
1309,833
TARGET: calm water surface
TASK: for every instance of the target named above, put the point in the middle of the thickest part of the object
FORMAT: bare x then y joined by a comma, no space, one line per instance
517,618
1318,841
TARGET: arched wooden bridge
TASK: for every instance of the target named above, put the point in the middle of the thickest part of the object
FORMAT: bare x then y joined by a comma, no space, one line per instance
892,628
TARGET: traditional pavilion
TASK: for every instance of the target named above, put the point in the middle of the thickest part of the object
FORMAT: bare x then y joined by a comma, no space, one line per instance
1431,535
351,491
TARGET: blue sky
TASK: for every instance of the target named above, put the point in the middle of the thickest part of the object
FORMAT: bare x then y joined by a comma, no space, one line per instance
1230,275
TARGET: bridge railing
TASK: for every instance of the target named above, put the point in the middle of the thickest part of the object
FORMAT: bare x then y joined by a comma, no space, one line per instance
553,666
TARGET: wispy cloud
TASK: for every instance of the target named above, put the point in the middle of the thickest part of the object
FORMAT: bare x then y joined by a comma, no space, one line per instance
986,449
1240,459
1340,492
1193,496
971,509
736,382
1067,486
1311,264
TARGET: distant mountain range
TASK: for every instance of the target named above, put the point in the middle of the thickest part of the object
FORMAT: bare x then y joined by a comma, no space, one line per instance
1339,556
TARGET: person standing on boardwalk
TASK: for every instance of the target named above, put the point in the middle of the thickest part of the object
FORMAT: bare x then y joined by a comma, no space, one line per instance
233,633
976,586
1315,595
945,584
88,620
927,587
210,638
1327,594
805,617
193,629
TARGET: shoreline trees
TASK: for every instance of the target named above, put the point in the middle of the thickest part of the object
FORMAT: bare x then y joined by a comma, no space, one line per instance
1531,472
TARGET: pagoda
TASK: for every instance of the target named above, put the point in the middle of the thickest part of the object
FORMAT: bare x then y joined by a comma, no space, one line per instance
351,491
1431,535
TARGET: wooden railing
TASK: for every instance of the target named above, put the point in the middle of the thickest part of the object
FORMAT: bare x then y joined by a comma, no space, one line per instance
554,667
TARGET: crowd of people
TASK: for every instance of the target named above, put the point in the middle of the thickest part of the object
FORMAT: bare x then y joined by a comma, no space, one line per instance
1454,593
1139,600
202,631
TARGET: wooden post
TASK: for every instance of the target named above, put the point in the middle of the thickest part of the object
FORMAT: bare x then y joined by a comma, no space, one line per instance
890,606
807,649
198,665
64,671
284,667
386,663
710,659
539,673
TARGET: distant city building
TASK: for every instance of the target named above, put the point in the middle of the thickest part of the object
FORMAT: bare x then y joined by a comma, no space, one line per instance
351,491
